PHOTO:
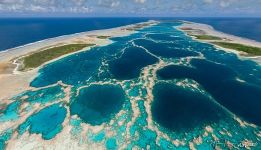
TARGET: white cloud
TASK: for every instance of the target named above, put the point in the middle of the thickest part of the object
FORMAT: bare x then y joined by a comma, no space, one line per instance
11,1
237,3
169,7
109,3
140,1
115,4
224,4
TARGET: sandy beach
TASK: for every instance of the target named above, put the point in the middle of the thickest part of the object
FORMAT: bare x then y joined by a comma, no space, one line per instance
112,96
192,28
15,81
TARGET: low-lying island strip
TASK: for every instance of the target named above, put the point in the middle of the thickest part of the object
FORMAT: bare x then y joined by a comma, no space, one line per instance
38,58
20,65
205,33
250,50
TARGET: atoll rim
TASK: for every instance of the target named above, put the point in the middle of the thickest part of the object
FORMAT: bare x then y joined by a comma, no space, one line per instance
156,88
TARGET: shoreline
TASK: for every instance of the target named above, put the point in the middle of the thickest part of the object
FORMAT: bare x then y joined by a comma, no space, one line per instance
193,28
16,81
42,44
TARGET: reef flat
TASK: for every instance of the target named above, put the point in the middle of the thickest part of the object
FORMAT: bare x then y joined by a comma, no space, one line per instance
154,88
238,45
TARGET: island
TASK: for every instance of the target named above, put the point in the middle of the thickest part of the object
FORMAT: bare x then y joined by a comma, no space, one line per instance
150,85
206,33
36,59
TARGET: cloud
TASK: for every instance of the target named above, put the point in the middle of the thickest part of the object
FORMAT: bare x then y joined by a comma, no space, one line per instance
115,4
224,4
11,1
136,7
140,1
109,3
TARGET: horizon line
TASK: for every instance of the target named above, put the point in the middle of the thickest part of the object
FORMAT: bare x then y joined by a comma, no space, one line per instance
6,17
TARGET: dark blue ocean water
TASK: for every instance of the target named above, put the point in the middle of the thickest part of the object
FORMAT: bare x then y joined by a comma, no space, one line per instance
196,89
20,31
244,27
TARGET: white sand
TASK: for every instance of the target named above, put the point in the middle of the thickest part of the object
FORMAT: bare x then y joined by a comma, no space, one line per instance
209,30
14,82
86,37
198,28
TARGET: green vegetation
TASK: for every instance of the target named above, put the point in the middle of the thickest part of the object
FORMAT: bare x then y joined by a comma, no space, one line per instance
103,37
207,37
254,51
37,59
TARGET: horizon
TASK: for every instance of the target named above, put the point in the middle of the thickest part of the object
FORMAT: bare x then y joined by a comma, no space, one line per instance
130,74
130,8
86,17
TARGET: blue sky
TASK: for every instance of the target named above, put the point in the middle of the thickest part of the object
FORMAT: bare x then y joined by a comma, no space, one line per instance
169,8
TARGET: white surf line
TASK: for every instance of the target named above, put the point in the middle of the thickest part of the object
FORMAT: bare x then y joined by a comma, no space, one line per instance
235,39
149,84
211,30
19,51
147,51
15,71
71,35
12,54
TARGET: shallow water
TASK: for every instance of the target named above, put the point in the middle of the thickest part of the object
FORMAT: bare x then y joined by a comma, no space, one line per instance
156,88
47,122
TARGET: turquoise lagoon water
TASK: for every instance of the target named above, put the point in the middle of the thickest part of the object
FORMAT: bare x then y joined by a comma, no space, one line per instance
46,122
154,89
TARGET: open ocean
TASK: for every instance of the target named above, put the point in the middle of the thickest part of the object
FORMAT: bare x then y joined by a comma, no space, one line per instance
20,31
243,27
156,88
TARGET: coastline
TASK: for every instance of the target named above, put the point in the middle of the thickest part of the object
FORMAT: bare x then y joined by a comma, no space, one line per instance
16,82
42,44
204,29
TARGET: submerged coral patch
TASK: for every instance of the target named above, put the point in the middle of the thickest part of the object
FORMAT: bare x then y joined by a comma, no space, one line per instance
98,103
11,112
45,95
47,122
4,137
